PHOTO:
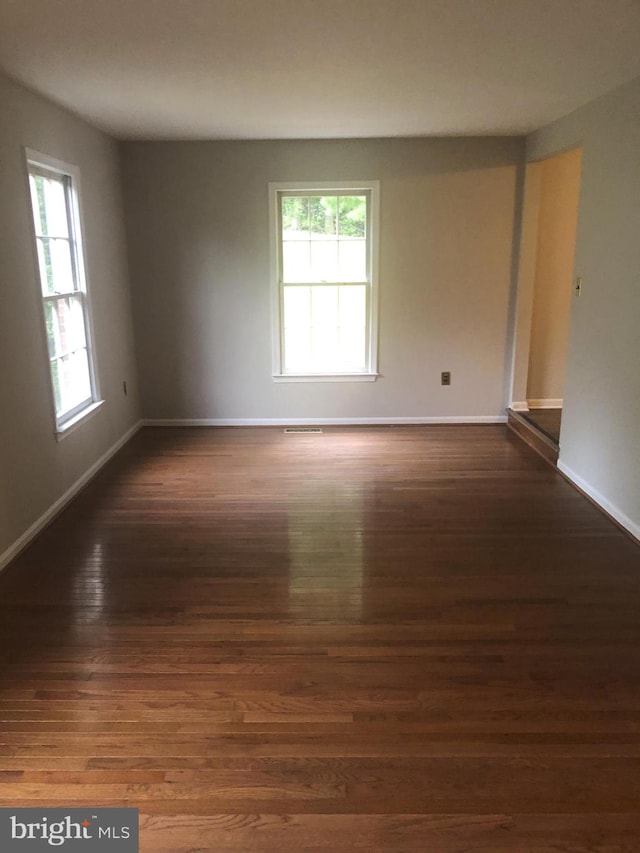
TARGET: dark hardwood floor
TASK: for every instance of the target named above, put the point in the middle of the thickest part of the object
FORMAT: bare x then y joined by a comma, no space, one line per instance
376,639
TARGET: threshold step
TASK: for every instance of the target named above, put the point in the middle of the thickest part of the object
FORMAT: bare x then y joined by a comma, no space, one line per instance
535,438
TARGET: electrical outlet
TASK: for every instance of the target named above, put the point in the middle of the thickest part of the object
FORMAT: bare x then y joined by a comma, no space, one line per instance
445,378
579,286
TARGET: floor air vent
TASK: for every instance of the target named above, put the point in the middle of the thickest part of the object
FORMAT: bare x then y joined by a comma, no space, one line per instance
313,430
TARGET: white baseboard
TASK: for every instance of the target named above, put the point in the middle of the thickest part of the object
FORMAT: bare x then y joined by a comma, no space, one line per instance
47,517
455,419
522,406
603,503
546,403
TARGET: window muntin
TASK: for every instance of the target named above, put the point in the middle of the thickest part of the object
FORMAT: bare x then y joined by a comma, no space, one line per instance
325,280
54,204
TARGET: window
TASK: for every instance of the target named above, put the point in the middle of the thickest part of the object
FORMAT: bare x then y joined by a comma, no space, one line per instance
324,280
56,217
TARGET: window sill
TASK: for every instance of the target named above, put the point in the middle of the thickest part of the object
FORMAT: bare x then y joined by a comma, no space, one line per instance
325,377
71,425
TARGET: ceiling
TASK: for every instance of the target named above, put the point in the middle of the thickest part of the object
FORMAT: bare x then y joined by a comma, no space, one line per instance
272,69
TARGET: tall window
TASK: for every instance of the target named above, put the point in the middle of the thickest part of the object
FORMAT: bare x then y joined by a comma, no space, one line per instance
325,280
55,205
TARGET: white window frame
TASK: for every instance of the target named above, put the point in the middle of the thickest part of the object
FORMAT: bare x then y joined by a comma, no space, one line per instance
38,163
276,191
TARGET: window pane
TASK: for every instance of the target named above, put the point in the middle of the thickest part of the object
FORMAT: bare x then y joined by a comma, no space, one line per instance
55,381
324,349
324,260
45,266
324,329
56,270
352,307
352,260
296,261
37,204
324,307
297,321
323,213
297,306
71,378
49,206
352,215
351,348
295,218
62,266
65,326
336,227
297,350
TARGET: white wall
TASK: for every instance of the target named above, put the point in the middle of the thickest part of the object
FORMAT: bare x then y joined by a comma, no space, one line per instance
553,286
526,277
197,218
35,469
601,418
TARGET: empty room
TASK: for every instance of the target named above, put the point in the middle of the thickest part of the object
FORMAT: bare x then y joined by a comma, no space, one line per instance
320,432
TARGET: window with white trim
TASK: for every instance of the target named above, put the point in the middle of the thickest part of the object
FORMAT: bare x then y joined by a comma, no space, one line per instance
63,289
324,280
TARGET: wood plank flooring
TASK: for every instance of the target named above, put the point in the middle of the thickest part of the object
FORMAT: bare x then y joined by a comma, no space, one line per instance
380,639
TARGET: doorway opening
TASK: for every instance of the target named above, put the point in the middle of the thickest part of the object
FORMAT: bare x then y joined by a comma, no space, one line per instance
545,290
